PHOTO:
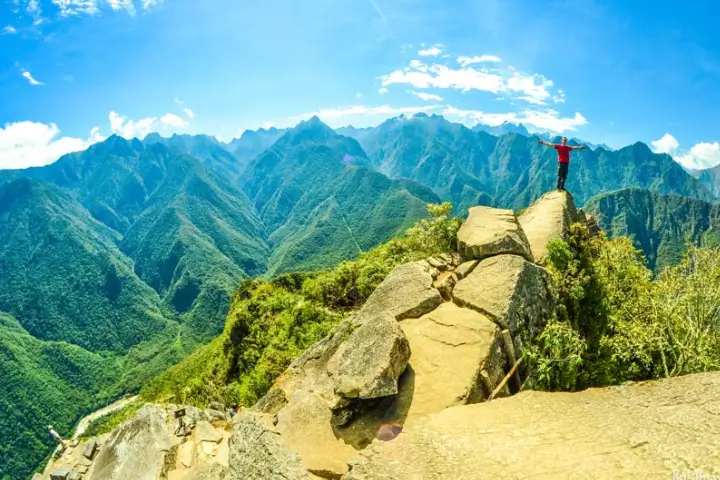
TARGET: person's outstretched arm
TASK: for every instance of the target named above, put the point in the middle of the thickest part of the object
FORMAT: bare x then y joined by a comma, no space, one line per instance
543,142
578,147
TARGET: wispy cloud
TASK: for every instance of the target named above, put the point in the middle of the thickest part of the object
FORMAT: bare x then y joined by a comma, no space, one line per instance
433,51
539,119
9,30
383,90
189,113
533,88
378,10
127,5
70,8
465,61
426,96
28,76
77,7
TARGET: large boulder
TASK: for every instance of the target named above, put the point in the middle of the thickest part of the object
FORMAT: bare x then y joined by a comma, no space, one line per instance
369,363
257,452
407,292
90,449
661,429
137,448
302,401
457,358
492,231
60,473
513,292
549,218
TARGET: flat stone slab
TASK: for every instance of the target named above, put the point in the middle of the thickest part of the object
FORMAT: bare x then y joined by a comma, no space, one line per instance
660,429
492,231
547,219
451,348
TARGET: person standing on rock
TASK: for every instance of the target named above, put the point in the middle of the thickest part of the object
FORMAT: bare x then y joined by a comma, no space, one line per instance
563,150
56,436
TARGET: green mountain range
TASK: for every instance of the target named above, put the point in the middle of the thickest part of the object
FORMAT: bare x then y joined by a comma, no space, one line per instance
662,226
120,260
710,177
470,168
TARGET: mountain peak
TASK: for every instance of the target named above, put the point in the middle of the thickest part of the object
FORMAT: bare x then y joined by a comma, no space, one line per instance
312,129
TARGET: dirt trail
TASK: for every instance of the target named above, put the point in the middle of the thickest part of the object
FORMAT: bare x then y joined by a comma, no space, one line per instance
85,422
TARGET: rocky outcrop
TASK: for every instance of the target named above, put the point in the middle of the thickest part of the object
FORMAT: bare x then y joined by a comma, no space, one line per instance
137,449
259,453
406,293
492,231
402,388
547,219
651,430
511,291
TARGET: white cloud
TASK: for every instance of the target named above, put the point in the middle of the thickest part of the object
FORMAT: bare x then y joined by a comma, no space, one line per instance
126,5
33,144
76,7
126,128
426,96
539,119
189,113
665,144
9,30
702,155
433,51
172,120
465,61
68,8
533,88
383,91
28,76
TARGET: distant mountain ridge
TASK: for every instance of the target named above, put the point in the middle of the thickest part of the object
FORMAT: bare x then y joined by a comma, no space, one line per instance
660,225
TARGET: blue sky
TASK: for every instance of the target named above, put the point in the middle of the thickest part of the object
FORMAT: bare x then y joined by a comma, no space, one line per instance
75,71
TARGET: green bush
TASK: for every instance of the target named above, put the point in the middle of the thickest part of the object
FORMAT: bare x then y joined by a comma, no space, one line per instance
614,323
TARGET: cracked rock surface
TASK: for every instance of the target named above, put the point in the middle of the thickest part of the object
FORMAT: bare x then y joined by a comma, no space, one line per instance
451,347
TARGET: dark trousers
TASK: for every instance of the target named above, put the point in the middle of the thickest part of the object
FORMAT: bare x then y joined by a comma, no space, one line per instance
562,175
